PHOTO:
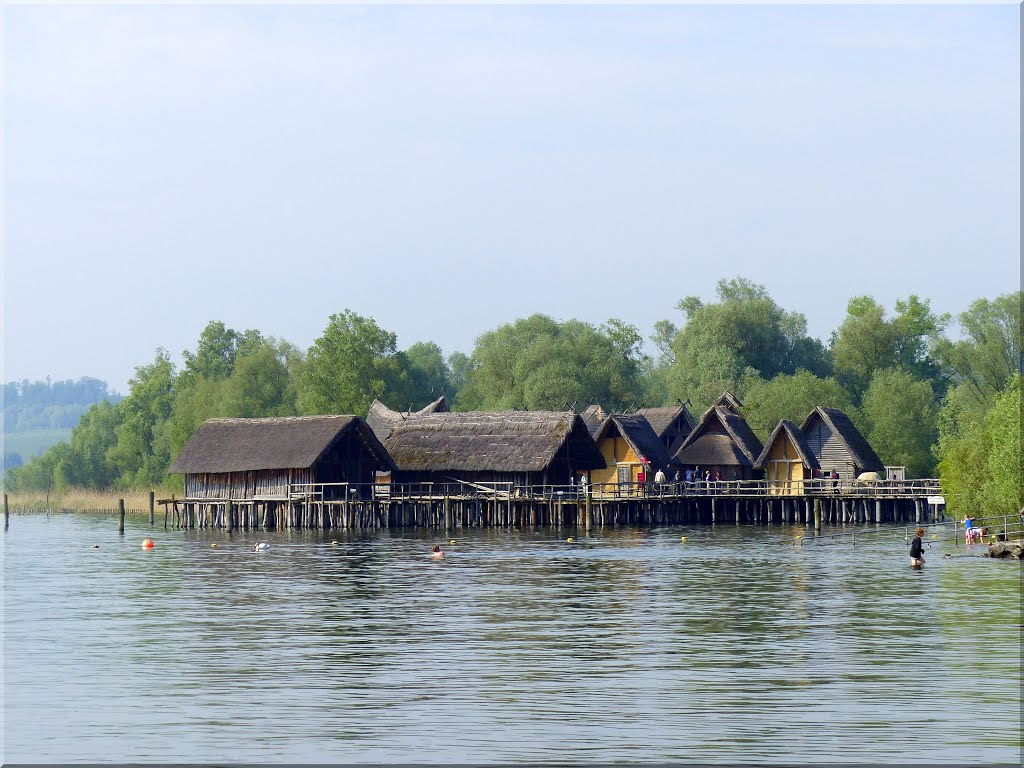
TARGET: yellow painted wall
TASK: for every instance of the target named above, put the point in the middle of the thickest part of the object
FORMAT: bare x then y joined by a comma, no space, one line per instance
784,470
615,451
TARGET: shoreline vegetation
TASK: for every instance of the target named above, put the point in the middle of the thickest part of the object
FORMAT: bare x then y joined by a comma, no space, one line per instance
82,500
939,396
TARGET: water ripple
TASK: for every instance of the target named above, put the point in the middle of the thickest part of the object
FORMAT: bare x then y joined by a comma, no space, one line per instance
737,645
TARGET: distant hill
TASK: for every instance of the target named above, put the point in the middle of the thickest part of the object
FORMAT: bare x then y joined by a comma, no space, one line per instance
39,414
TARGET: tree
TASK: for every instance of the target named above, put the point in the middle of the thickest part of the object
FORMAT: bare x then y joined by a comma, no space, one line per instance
258,386
744,329
542,364
981,468
137,457
901,419
349,365
86,463
868,341
766,403
429,374
989,354
217,350
461,367
707,373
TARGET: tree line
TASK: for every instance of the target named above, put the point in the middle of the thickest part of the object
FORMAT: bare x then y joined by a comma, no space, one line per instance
30,405
930,392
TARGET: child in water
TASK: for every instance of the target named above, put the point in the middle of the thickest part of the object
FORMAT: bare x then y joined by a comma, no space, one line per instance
438,553
917,549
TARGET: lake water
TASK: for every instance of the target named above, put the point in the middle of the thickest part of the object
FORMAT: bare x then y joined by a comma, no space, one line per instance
736,645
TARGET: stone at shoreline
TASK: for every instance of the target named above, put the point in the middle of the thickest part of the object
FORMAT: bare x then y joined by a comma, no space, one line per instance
1014,549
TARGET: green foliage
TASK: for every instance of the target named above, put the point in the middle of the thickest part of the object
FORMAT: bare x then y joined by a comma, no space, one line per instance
36,406
989,354
868,341
540,363
744,329
981,468
766,403
91,441
353,362
429,375
460,366
889,375
901,420
137,457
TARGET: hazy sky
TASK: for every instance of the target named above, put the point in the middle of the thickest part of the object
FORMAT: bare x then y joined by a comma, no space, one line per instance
449,169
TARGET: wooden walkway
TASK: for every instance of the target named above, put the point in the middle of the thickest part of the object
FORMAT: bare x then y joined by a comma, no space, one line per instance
451,506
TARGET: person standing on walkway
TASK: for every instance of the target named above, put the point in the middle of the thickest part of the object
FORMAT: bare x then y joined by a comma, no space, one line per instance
917,549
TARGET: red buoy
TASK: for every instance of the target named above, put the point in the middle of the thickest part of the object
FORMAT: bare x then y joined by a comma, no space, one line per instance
147,543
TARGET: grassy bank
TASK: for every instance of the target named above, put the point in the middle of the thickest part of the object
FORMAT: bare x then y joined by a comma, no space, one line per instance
84,500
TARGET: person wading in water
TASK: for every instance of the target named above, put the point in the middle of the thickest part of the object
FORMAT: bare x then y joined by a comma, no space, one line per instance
917,549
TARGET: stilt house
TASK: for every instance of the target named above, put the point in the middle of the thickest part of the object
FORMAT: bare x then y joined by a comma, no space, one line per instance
672,425
518,447
630,447
838,445
276,459
787,460
724,441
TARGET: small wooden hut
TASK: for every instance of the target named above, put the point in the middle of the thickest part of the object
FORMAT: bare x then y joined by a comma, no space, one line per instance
787,460
838,445
519,447
672,425
630,448
383,419
274,459
724,441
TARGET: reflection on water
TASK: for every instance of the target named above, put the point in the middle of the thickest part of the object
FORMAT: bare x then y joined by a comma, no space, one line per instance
628,645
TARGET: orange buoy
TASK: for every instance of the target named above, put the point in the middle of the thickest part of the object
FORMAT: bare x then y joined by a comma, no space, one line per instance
147,544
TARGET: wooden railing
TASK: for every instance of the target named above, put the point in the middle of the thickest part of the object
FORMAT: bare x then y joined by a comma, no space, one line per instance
361,492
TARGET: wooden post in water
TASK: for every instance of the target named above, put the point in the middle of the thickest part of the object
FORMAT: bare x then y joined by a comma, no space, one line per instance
120,509
817,514
229,514
152,508
586,513
7,514
878,511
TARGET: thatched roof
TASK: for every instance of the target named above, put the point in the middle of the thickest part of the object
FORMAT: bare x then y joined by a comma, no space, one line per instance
730,401
593,416
661,419
798,440
637,432
382,419
294,442
721,438
509,441
841,426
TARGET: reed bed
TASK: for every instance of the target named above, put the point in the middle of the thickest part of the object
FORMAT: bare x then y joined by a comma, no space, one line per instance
83,500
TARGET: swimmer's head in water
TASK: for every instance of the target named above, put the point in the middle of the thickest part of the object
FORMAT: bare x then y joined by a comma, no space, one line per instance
919,532
437,548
